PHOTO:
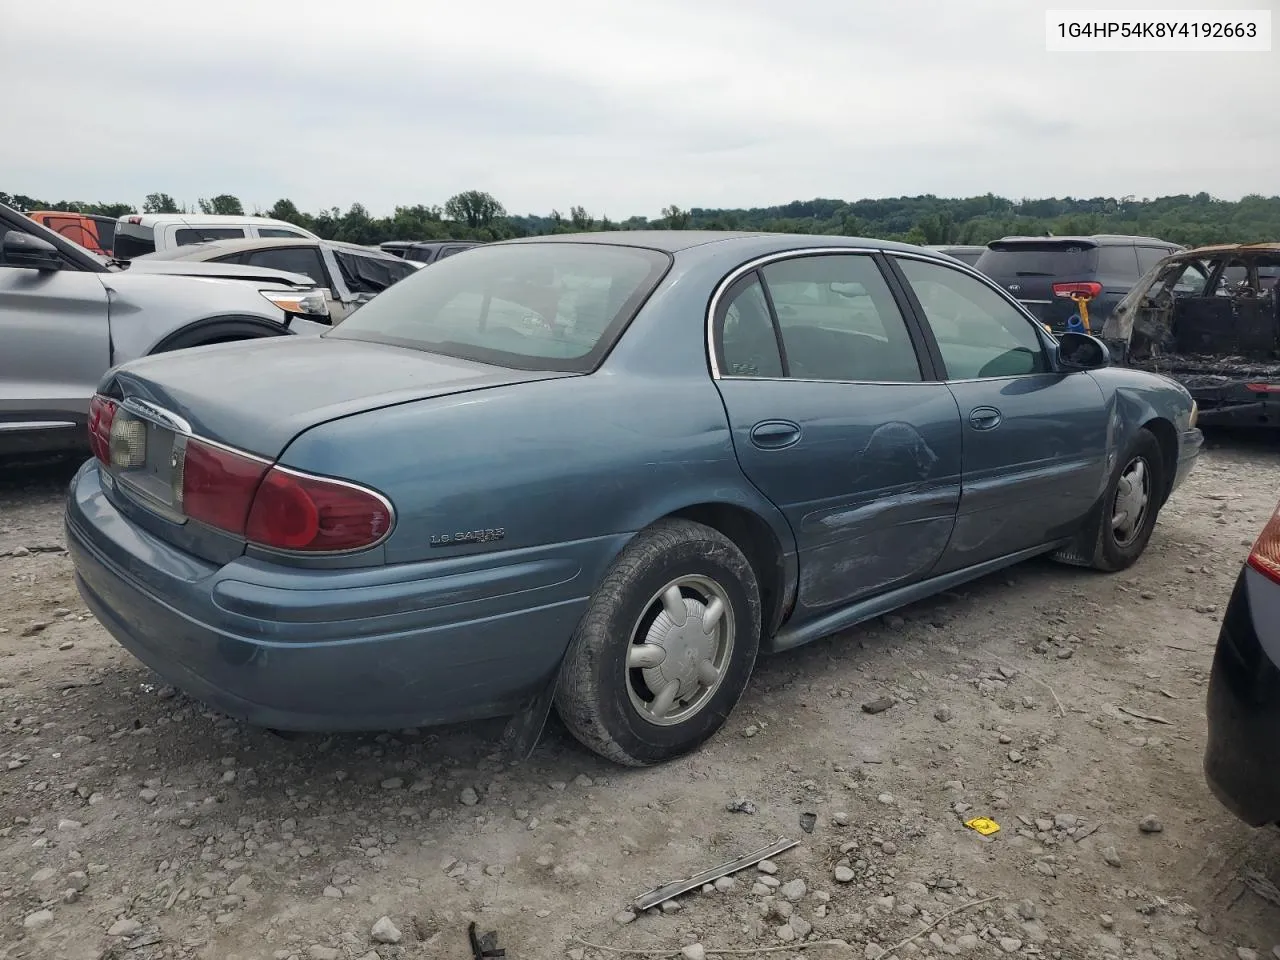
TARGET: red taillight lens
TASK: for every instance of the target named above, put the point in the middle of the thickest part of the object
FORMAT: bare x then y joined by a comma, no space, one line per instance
1265,556
293,511
1262,387
1088,290
218,485
102,411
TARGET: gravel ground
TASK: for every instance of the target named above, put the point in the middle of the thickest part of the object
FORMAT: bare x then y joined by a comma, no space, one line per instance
136,823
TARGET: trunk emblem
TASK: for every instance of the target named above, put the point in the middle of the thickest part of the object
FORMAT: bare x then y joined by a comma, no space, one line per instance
1014,288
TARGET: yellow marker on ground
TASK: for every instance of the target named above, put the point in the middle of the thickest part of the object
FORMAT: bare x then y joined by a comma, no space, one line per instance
983,825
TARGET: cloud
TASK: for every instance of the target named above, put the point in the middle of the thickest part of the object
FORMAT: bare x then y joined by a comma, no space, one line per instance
622,107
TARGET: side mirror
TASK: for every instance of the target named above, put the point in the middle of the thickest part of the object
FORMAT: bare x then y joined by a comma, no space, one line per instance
23,250
1079,351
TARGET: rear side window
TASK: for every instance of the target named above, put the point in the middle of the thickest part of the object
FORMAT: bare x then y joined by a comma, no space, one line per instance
1038,259
1119,263
130,245
531,306
303,260
187,235
1148,257
268,233
839,320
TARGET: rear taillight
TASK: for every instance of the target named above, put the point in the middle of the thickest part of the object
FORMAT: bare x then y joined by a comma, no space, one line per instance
1265,555
1262,387
102,412
295,511
1089,290
216,485
276,507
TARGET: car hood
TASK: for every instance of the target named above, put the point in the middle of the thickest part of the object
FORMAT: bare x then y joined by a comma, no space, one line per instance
223,271
257,395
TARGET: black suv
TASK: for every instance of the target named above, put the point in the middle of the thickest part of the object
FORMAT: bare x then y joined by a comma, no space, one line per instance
426,251
1044,273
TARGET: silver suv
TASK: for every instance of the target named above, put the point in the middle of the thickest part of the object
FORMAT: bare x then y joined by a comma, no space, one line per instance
68,315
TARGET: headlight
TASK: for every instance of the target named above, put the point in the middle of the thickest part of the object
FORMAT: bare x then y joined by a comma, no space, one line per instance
1195,415
302,302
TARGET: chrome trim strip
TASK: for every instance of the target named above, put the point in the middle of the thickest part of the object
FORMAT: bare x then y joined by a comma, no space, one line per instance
36,425
157,415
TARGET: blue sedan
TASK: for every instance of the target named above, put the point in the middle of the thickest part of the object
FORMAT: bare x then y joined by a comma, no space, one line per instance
600,473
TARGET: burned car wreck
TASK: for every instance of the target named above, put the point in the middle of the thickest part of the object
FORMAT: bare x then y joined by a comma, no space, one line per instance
1210,319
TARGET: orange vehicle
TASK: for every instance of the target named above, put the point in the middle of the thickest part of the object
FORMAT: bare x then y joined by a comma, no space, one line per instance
89,230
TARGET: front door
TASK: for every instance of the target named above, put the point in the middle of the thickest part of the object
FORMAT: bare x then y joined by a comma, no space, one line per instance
1035,440
834,421
54,347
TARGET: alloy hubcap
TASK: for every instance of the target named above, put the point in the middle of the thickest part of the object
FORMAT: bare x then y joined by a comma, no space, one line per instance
1133,495
680,650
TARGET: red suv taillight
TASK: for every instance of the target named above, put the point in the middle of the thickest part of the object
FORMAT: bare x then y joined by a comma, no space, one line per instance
1265,555
277,507
102,411
1088,290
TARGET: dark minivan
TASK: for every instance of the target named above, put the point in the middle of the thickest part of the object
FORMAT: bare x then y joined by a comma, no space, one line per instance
1047,273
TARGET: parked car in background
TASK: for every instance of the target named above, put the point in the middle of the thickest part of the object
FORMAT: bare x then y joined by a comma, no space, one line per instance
965,253
67,315
426,251
603,468
1045,273
1209,318
349,274
95,233
1242,755
139,233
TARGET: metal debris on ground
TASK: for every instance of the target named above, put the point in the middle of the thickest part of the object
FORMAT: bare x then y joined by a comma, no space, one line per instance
485,947
667,891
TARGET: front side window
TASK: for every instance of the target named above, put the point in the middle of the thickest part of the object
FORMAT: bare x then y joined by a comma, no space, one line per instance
531,306
979,333
185,235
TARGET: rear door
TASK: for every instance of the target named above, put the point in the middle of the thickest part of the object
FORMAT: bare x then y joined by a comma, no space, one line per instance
1029,268
1035,440
54,346
837,420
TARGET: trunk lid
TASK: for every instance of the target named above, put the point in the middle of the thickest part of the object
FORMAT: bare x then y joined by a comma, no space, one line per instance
257,395
254,397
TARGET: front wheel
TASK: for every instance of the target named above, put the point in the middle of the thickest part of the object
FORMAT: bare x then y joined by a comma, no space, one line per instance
1131,504
666,647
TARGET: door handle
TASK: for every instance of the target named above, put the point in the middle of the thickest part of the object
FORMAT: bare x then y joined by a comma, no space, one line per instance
985,418
775,434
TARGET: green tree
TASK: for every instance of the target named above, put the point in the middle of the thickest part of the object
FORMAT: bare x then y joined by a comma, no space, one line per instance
675,218
224,205
475,208
581,220
160,203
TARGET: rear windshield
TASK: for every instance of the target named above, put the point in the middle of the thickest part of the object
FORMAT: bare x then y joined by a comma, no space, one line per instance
130,245
531,306
1038,259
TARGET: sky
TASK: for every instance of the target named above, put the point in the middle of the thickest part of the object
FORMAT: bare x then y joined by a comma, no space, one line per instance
621,106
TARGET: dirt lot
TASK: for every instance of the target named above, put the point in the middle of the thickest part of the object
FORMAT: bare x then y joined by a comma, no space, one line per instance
135,823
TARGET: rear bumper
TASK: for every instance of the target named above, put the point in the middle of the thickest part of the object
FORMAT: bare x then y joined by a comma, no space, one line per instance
1242,753
332,650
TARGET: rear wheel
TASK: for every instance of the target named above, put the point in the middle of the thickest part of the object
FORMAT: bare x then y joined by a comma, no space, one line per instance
666,646
1131,505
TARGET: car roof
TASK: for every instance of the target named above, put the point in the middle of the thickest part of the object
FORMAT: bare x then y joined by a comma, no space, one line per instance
674,241
1099,239
407,244
1269,247
151,219
192,251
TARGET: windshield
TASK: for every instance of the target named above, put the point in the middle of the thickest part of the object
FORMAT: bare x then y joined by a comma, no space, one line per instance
531,306
1047,259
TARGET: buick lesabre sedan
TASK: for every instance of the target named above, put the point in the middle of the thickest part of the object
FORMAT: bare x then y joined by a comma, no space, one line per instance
604,472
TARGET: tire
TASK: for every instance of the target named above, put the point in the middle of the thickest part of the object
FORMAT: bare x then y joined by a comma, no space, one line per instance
1141,469
621,712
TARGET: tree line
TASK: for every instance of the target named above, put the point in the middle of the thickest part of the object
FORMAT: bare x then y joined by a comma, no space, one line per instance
476,215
